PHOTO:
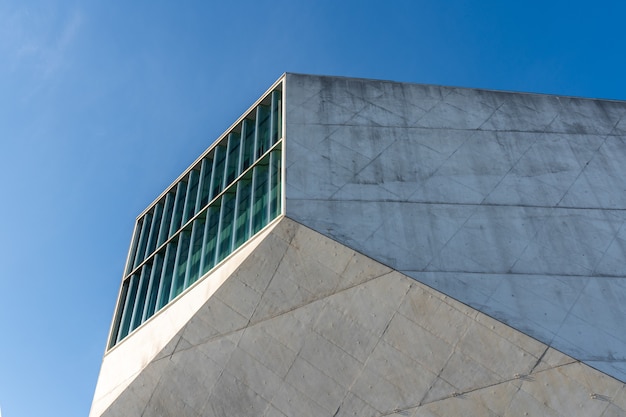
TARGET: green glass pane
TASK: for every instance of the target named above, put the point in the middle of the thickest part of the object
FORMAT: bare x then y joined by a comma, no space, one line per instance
153,288
177,216
232,161
143,239
142,291
192,195
132,253
260,207
242,218
195,257
128,307
276,117
275,197
247,156
227,213
217,175
119,312
209,245
154,229
205,181
166,277
167,218
182,256
241,211
263,127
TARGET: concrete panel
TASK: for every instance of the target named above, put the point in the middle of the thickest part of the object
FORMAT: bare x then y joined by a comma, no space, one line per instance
423,354
512,203
123,363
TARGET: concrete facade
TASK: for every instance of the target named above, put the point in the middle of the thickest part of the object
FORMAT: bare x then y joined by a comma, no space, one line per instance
128,360
441,252
307,327
514,204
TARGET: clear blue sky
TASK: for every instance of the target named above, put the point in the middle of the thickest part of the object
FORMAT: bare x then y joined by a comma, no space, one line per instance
104,103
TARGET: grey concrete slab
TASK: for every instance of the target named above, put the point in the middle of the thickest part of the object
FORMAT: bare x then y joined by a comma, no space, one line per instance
354,406
531,405
135,400
220,349
330,360
240,297
232,397
359,270
355,339
218,316
543,300
268,350
457,284
440,390
397,368
185,378
356,304
289,329
273,412
292,402
594,188
523,112
419,344
465,374
281,295
263,264
377,393
316,385
612,263
482,345
253,374
170,347
578,117
430,356
477,193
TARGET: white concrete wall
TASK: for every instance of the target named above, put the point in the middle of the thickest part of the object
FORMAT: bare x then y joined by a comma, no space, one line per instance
512,203
129,358
307,327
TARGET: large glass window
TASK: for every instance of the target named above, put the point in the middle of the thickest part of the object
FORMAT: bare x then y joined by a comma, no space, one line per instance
179,204
247,134
154,229
167,217
165,285
129,304
142,291
192,195
205,181
153,288
225,232
223,200
217,176
195,254
242,213
143,239
232,158
182,255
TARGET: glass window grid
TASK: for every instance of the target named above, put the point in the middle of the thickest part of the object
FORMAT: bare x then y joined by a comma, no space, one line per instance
227,197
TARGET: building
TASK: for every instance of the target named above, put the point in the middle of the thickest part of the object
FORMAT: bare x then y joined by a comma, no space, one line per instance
354,247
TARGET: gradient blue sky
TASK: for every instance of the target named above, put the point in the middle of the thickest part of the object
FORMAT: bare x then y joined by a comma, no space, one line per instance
104,103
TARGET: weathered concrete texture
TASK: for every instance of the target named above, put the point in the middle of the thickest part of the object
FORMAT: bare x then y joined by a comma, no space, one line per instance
512,203
324,331
129,358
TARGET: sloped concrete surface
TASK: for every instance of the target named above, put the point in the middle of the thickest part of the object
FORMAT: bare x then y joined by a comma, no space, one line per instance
512,203
308,327
129,358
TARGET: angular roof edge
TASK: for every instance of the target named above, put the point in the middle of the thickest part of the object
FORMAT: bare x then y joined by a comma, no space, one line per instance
491,90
